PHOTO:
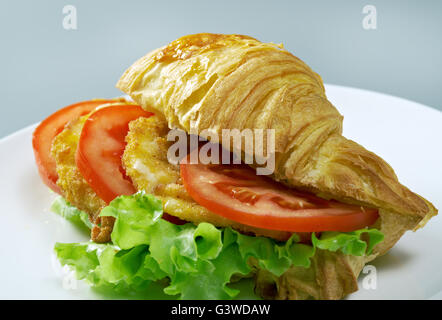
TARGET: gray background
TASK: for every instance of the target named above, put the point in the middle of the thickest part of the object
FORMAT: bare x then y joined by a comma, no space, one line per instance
44,67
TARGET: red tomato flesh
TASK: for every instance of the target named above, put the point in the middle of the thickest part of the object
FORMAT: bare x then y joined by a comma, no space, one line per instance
101,146
237,193
45,133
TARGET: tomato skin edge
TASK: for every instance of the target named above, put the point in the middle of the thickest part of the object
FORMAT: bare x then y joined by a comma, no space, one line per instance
87,166
47,177
96,181
51,127
289,224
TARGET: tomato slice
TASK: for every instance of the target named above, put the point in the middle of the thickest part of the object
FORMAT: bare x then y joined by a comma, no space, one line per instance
46,132
237,193
101,146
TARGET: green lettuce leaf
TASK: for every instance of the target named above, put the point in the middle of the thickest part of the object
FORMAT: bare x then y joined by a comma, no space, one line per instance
355,243
197,262
63,208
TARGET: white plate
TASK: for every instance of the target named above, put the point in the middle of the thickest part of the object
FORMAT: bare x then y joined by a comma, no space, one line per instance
406,134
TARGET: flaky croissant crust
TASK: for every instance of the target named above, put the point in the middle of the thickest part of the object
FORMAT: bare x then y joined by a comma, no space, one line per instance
215,82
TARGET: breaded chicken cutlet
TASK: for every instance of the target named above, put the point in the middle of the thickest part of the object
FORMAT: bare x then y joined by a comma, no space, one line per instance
146,163
74,187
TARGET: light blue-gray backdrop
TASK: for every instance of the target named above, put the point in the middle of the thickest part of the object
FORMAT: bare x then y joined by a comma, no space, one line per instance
44,67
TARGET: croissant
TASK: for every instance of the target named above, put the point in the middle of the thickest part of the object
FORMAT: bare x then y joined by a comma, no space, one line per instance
214,82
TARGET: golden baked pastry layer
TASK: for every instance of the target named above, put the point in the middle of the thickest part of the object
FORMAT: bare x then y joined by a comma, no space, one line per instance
214,82
332,274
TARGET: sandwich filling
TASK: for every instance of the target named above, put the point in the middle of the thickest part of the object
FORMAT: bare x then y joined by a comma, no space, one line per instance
329,207
238,198
139,247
